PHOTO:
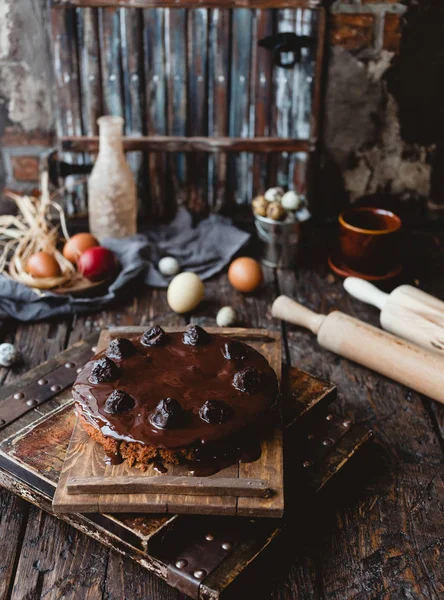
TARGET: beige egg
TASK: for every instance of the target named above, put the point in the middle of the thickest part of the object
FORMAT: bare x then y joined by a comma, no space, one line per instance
185,292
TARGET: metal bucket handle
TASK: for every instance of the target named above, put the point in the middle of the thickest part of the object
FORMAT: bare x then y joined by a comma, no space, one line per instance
266,236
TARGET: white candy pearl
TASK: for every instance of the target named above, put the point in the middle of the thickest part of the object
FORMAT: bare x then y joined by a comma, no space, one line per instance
8,355
290,200
169,266
226,317
273,194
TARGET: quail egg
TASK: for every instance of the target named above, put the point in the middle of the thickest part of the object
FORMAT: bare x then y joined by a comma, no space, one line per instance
226,316
274,194
8,355
169,266
290,200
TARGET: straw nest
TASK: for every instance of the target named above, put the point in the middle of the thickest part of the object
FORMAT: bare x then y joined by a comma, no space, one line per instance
32,231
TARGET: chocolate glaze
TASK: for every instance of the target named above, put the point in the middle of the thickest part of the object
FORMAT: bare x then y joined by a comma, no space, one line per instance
159,466
189,374
244,447
113,459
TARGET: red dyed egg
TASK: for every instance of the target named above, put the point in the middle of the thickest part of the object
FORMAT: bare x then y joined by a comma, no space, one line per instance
97,263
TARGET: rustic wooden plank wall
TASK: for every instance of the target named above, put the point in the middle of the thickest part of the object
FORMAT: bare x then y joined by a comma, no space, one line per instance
89,68
262,93
67,85
176,46
219,73
187,72
303,98
131,33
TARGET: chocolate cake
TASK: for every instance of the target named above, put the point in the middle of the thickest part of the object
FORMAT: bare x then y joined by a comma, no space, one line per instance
169,395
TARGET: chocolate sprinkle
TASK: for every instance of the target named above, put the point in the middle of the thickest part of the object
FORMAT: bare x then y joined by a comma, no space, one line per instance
215,412
248,380
119,402
195,335
120,348
154,336
104,370
168,414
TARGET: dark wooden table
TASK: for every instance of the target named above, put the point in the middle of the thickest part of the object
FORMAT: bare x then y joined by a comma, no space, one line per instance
378,532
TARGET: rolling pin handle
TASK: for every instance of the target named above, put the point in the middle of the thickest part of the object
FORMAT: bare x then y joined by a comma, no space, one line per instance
288,310
365,291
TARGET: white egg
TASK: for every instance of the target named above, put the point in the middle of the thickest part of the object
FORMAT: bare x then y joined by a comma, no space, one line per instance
169,266
8,355
226,317
290,200
185,292
273,194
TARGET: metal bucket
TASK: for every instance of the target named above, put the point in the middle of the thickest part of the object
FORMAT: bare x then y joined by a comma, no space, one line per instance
279,241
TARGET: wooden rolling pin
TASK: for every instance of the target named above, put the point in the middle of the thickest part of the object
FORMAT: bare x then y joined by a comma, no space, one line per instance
376,349
407,312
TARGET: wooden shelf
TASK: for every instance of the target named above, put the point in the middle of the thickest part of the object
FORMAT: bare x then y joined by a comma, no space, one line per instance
193,144
188,3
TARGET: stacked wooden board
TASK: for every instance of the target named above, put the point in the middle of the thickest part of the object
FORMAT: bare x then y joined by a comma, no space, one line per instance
33,448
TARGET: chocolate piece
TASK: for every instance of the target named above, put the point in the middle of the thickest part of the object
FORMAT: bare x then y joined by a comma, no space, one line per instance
234,350
104,370
215,411
154,336
195,335
168,414
120,348
119,402
248,380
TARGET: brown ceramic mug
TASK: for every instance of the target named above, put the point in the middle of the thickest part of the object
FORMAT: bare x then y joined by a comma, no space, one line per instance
368,240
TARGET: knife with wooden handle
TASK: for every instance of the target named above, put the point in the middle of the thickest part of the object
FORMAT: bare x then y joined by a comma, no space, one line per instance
369,346
407,312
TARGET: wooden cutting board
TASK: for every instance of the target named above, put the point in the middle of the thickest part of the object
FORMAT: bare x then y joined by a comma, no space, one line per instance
88,484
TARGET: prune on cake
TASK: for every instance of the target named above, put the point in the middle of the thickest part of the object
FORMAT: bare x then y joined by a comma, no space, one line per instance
120,348
248,380
215,412
195,335
119,402
167,414
154,336
104,370
234,350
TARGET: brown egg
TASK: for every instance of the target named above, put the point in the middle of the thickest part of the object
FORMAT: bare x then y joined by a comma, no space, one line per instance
77,244
43,264
245,274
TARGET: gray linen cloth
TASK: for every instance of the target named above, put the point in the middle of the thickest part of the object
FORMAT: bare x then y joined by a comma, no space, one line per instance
204,249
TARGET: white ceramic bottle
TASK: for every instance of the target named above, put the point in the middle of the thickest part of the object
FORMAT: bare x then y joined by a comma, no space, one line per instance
112,195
